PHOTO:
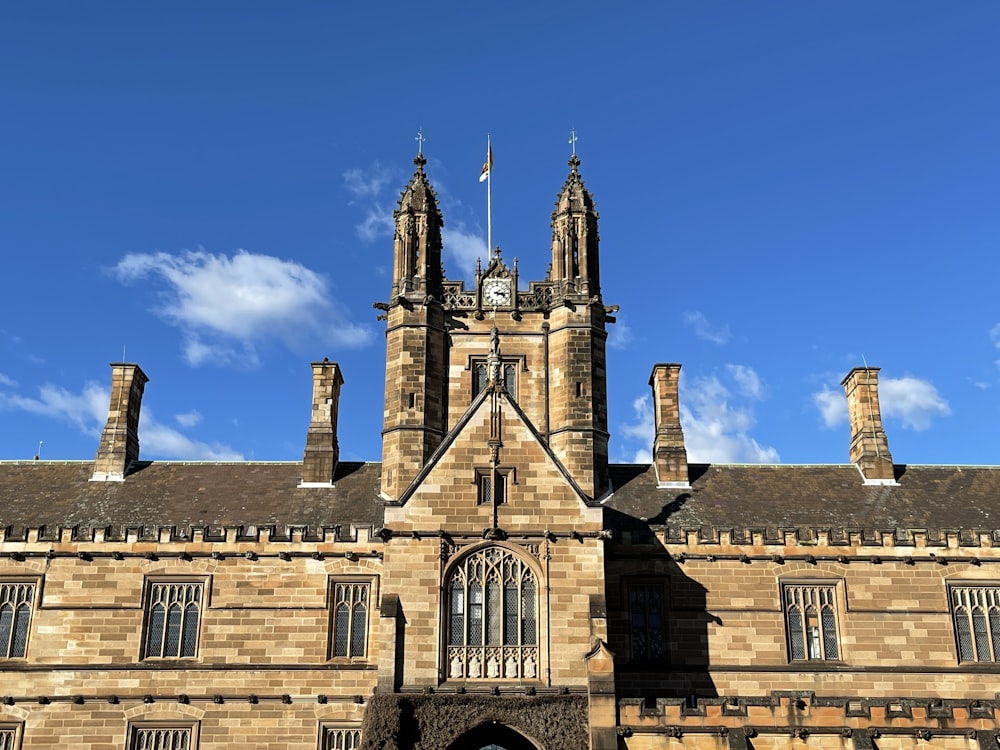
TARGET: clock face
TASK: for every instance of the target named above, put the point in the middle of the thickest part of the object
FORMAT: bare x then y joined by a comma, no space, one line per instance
496,292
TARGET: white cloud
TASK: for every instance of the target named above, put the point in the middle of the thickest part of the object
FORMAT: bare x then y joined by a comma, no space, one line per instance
368,183
747,380
189,419
620,335
716,430
464,247
832,406
703,329
995,335
88,412
377,224
226,304
911,401
159,440
7,381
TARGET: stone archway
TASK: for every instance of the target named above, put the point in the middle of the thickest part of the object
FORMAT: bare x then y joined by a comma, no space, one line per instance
493,736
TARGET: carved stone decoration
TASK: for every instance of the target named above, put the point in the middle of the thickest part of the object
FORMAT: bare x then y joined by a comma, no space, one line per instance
529,668
456,668
475,668
510,668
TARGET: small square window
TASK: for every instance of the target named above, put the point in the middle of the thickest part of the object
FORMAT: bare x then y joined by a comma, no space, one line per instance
162,737
491,485
173,618
647,620
351,603
17,600
976,614
811,620
339,737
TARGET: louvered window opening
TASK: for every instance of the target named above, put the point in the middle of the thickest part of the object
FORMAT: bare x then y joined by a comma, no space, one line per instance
174,614
16,599
8,736
646,613
161,738
481,378
811,615
493,618
350,618
342,739
976,610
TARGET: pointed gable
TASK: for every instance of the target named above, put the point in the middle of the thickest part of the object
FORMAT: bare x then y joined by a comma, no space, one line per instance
496,442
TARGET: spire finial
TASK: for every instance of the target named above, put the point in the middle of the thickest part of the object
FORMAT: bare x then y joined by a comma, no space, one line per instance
572,140
420,141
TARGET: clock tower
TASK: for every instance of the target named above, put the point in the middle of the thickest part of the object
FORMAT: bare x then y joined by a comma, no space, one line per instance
552,335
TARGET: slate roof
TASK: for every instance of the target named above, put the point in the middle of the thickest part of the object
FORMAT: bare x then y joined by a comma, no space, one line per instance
160,494
779,497
55,494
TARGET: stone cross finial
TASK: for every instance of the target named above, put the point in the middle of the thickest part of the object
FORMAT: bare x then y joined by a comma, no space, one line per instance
420,140
572,140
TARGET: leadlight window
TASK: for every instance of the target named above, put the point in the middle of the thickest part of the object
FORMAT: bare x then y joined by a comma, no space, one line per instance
341,738
492,486
492,617
976,611
811,618
481,377
173,618
161,738
8,737
16,601
647,620
350,618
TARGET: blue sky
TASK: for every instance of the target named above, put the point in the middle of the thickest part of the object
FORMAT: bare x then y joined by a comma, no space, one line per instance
786,190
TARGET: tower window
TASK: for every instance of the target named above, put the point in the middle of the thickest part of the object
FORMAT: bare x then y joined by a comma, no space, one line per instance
481,376
811,618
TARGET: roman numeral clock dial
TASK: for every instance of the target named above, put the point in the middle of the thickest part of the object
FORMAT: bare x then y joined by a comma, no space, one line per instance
496,292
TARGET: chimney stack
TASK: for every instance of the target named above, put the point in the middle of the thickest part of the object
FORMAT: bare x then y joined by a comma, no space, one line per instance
119,446
669,454
322,451
869,445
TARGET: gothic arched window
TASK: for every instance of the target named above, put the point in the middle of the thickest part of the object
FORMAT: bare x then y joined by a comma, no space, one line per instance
492,617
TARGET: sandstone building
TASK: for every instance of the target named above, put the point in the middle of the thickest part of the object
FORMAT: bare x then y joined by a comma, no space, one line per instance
494,582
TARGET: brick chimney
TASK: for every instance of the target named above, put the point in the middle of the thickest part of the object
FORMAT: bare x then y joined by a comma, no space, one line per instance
869,445
322,451
119,446
669,454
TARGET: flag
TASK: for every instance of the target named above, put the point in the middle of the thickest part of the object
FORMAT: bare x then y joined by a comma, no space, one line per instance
487,165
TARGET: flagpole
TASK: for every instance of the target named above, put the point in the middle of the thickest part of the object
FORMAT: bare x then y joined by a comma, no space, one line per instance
489,200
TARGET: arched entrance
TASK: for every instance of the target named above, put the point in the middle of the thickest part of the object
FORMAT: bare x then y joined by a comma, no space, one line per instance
493,737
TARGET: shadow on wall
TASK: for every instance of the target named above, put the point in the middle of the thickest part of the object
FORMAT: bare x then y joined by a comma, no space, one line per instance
658,620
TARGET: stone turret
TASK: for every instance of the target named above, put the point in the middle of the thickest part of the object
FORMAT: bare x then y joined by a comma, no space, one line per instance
575,263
